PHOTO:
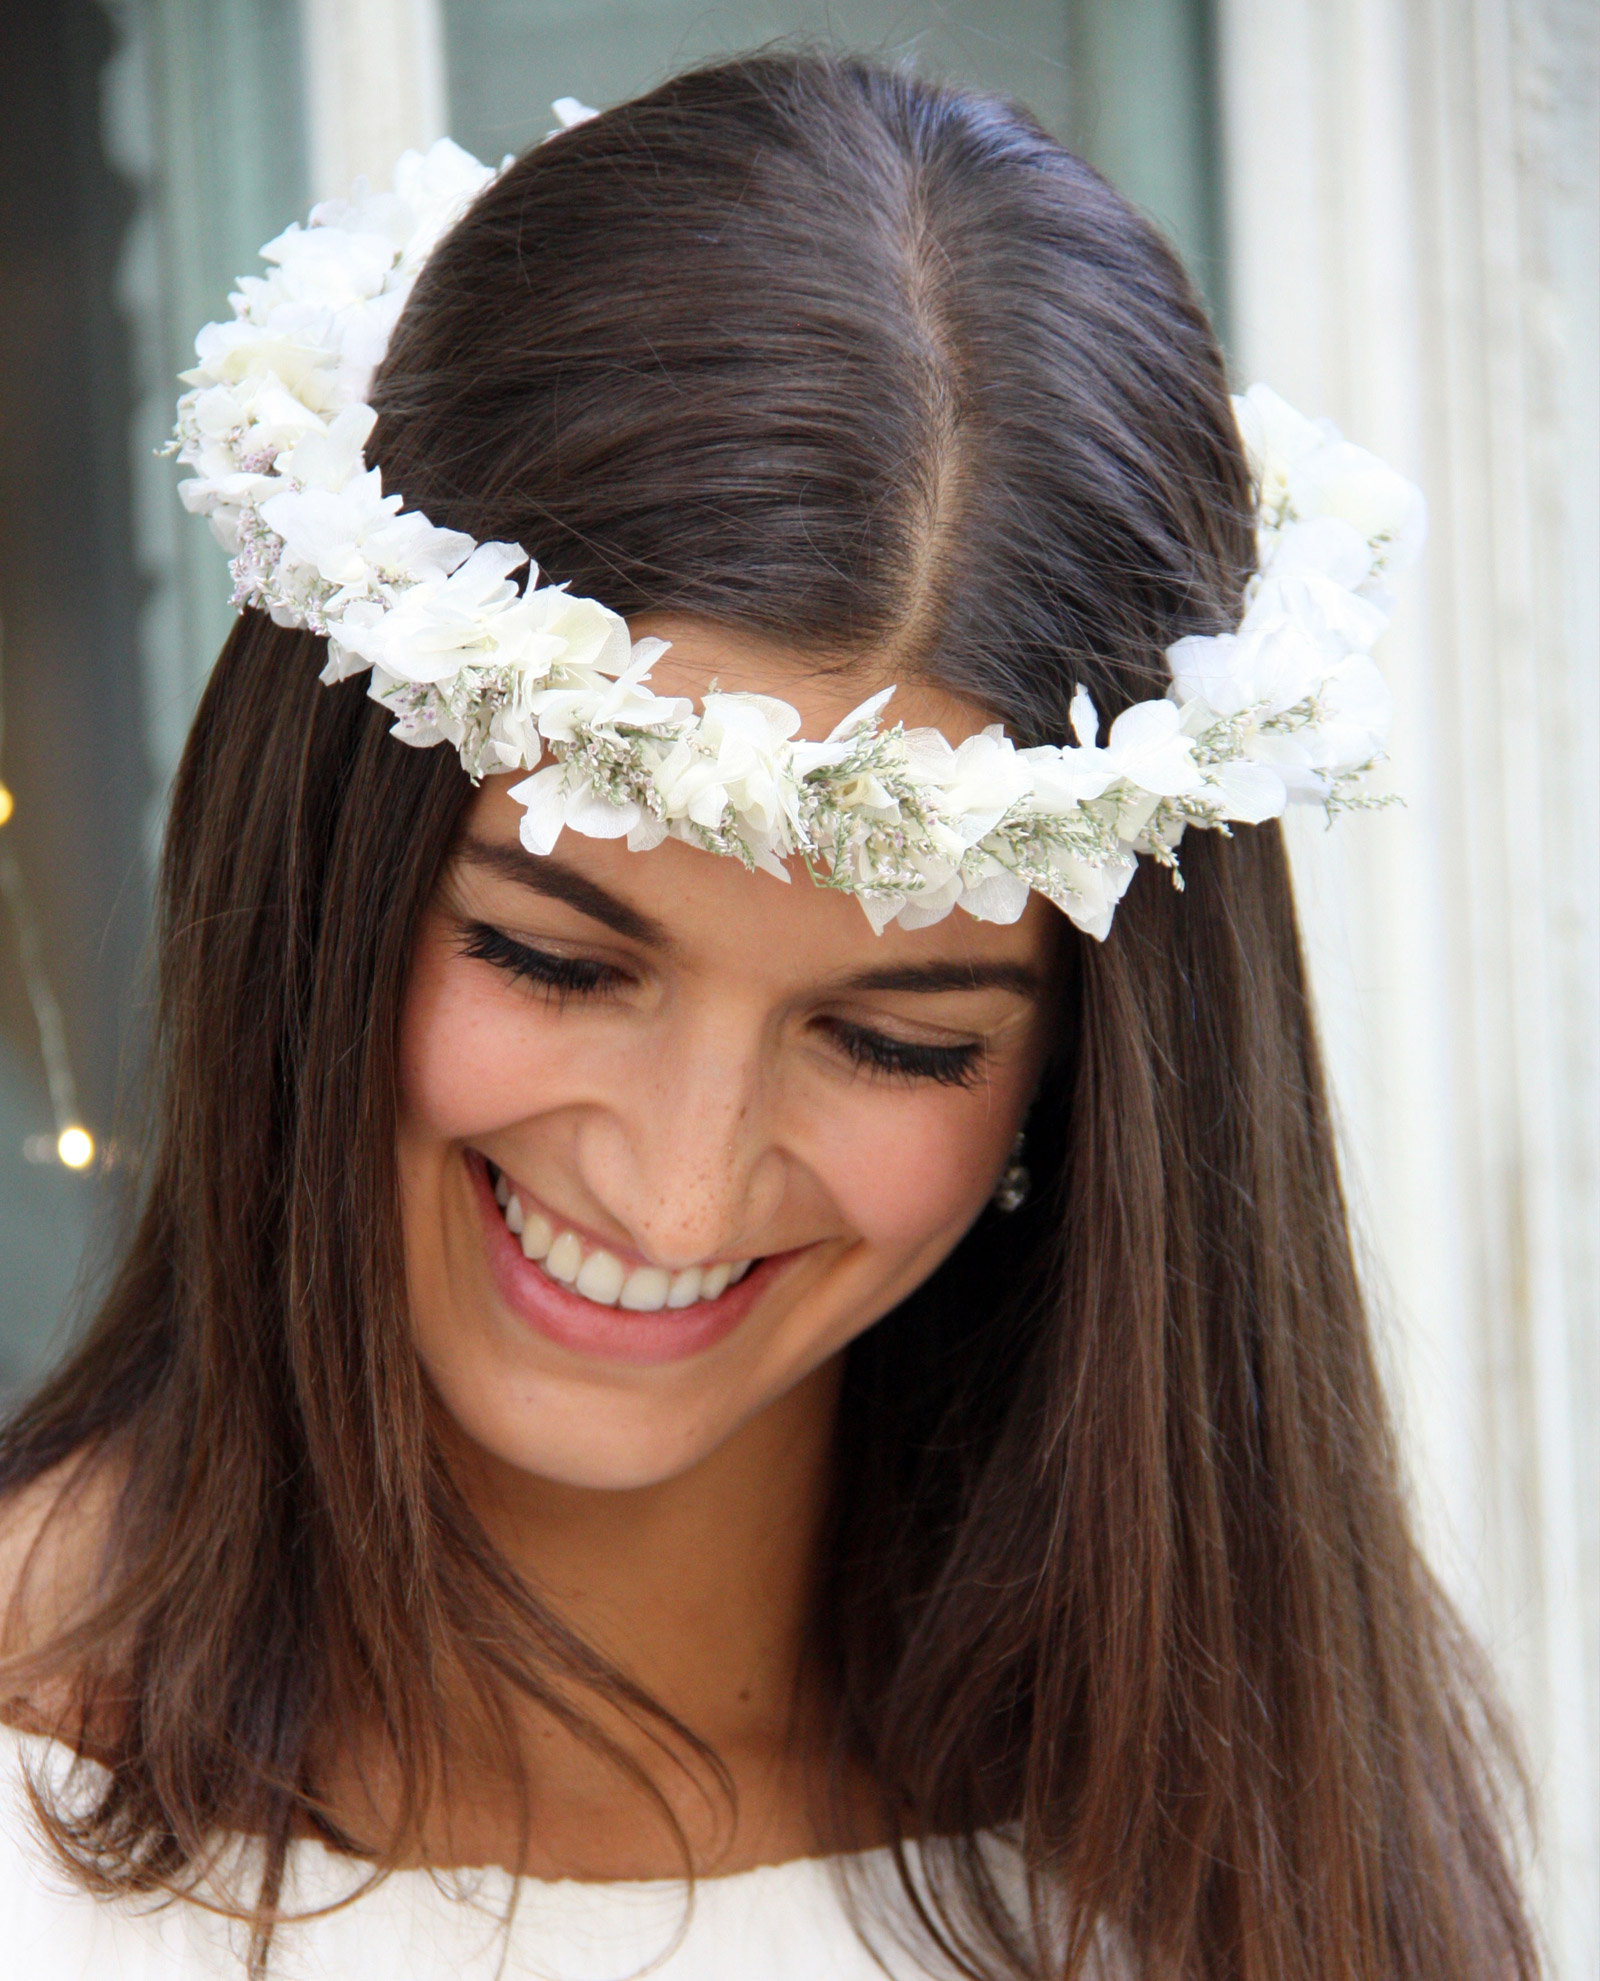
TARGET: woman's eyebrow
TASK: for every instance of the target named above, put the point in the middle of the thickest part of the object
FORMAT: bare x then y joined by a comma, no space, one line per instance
545,874
951,976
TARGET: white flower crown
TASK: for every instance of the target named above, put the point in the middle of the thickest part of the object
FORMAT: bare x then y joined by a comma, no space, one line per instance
1287,708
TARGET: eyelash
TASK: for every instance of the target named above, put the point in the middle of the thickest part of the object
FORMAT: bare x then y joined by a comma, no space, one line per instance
899,1059
561,977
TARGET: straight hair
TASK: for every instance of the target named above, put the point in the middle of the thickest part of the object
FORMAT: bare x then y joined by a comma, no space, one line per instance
1119,1564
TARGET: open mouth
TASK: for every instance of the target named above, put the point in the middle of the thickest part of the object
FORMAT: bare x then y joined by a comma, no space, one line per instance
568,1287
589,1270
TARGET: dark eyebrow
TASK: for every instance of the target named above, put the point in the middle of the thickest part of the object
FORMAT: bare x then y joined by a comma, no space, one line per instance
950,976
547,875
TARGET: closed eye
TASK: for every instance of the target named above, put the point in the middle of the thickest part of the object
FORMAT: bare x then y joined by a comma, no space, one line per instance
874,1052
559,977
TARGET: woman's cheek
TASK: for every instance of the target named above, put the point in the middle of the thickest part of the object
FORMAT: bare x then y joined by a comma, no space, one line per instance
905,1172
469,1062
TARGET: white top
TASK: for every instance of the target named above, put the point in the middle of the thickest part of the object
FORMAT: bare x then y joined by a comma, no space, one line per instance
785,1922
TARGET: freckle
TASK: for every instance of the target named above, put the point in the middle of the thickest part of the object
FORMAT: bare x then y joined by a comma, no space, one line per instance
744,1695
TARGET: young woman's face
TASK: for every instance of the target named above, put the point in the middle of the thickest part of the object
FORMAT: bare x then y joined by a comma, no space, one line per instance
734,1126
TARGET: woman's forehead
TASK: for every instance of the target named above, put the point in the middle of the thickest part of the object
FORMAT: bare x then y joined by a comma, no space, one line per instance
714,909
712,912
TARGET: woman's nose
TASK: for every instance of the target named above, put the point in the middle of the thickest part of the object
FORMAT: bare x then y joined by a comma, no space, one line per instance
684,1159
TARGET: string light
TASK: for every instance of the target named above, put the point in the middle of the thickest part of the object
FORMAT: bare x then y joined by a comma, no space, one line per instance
8,804
75,1146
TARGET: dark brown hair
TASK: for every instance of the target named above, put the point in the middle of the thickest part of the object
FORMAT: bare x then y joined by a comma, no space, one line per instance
1119,1561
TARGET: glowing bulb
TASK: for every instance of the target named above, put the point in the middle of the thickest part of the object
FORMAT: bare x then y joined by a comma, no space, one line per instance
75,1146
8,804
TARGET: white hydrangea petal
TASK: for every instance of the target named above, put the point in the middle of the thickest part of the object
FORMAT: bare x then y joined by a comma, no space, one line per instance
1148,748
594,815
881,909
1250,793
760,720
708,804
1381,507
864,716
544,809
646,833
570,112
437,186
1088,892
332,458
998,897
1328,546
1064,778
1356,692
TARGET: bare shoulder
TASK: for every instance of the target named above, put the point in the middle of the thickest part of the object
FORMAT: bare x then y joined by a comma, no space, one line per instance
53,1535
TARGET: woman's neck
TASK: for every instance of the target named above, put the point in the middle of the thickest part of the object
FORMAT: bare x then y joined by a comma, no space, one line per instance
698,1589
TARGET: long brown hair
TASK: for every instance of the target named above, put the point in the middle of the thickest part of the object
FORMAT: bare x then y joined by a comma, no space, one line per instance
1119,1563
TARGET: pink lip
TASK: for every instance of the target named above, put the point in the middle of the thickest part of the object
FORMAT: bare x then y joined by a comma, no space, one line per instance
609,1334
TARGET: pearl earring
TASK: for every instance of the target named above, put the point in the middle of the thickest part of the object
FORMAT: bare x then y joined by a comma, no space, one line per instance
1011,1192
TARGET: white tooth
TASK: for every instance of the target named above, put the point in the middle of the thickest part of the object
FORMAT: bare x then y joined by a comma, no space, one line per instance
645,1289
601,1279
536,1236
685,1288
502,1190
713,1280
564,1258
514,1218
737,1273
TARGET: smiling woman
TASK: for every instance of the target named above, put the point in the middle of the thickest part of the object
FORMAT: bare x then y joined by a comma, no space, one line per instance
693,1094
596,1392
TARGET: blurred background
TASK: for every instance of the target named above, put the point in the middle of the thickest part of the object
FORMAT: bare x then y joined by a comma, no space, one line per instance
1391,206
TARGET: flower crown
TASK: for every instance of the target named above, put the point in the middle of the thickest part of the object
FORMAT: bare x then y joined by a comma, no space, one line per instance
1287,708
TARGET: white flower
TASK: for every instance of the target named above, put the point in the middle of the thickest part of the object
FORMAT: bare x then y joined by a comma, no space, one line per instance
837,745
1353,722
355,537
580,633
570,112
738,759
364,331
554,798
943,891
1305,468
1230,674
437,186
1384,509
334,517
1300,624
582,697
429,631
332,457
970,787
1276,438
1247,793
255,418
1000,896
327,267
231,352
1088,891
1325,547
1146,748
